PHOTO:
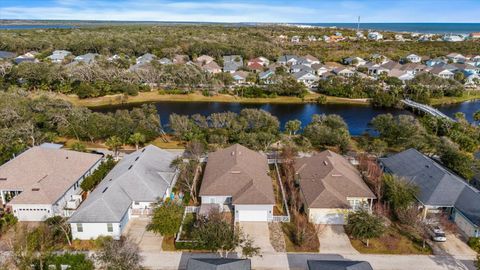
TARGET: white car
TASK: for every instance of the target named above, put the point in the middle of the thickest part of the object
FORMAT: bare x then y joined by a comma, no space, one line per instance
438,235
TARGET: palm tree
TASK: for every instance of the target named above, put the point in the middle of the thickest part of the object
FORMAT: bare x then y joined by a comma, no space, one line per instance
137,138
114,143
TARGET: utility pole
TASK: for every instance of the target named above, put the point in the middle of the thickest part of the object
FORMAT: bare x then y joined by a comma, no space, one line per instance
358,24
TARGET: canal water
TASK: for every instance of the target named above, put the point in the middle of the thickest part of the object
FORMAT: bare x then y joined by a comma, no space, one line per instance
356,116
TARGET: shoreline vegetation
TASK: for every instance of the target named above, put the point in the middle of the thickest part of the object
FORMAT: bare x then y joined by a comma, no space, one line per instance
311,97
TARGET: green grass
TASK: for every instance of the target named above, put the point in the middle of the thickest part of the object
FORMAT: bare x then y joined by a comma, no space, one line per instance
470,95
394,241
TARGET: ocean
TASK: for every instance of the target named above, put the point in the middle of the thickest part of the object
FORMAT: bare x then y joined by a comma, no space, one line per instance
433,28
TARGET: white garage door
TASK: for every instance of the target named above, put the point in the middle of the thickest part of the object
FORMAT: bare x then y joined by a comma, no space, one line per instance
330,218
252,215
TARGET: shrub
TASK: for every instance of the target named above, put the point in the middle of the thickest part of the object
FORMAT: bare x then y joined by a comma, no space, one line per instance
474,243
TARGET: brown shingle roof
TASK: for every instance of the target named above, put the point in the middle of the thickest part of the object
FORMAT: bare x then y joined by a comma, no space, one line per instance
238,172
327,179
44,175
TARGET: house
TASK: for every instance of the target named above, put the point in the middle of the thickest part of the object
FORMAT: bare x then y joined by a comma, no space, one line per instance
218,264
240,77
236,179
165,61
379,58
286,60
413,68
413,58
392,65
146,58
232,63
255,66
4,55
260,60
27,57
311,59
439,189
354,61
331,187
266,76
204,59
472,80
58,56
342,71
180,59
374,36
319,69
401,75
456,58
436,61
129,190
42,181
212,67
306,77
399,37
360,35
298,68
442,72
337,265
295,39
312,38
475,35
88,58
452,38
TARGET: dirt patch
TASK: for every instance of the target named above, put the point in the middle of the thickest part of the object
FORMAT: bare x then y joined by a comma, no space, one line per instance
277,238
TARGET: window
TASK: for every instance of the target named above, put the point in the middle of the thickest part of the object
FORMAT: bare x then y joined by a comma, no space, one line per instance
109,227
79,227
212,200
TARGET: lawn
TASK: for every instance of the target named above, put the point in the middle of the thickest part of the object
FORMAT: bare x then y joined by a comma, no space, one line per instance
394,241
311,244
469,95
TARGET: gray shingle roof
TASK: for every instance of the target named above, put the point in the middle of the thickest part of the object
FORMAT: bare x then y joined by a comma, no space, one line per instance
143,175
218,264
438,186
338,265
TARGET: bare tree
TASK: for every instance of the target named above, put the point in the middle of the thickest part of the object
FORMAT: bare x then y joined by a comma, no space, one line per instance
123,254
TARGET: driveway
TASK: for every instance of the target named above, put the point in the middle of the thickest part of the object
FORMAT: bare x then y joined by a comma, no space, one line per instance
334,240
258,231
454,246
147,241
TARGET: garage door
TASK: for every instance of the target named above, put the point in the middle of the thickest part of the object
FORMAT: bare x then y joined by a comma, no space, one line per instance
252,215
330,218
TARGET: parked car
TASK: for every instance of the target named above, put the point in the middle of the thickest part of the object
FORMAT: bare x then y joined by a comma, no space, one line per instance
438,235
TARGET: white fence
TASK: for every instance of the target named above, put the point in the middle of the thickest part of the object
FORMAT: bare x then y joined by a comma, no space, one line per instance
287,217
188,209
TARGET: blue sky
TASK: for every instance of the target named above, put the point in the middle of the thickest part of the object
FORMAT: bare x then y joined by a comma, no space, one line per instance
245,10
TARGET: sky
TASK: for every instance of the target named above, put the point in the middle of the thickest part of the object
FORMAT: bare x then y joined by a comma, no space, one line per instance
293,11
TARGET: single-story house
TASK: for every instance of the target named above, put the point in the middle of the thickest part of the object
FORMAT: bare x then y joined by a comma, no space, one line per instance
230,67
261,60
204,59
212,67
218,264
298,68
236,178
295,39
439,189
331,187
436,61
342,71
146,58
180,59
442,72
129,190
240,77
456,58
266,76
27,57
289,60
165,61
256,66
337,265
88,58
354,61
374,36
319,69
307,78
58,56
40,182
413,58
401,75
311,59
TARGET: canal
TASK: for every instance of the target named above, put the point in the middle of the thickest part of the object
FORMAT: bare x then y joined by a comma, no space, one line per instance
356,116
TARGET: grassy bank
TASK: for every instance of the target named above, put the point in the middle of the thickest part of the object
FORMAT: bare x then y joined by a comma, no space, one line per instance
145,97
471,95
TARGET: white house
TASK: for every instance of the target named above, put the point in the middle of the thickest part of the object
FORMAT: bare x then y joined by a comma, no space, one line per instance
456,58
295,39
306,77
331,187
413,58
452,38
58,56
442,72
355,61
375,36
42,181
236,179
129,190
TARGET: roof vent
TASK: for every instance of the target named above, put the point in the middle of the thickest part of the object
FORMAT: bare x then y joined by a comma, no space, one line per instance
233,153
3,179
130,167
336,175
235,172
105,190
427,165
66,157
325,163
35,189
143,150
137,158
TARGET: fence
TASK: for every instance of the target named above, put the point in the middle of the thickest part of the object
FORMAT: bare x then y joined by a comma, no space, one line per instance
287,217
188,209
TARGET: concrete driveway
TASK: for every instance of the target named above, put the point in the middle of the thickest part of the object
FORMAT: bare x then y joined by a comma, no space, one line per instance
258,231
147,241
334,240
454,246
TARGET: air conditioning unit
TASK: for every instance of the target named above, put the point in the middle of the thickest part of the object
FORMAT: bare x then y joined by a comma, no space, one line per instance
74,202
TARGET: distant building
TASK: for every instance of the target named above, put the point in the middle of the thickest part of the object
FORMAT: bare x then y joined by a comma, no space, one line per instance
475,35
375,36
452,38
58,56
337,265
218,264
88,58
413,58
295,39
27,57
